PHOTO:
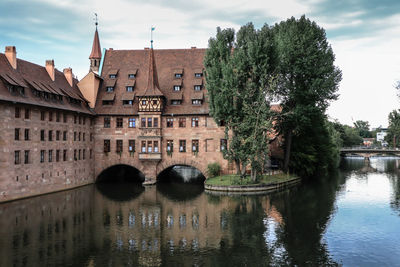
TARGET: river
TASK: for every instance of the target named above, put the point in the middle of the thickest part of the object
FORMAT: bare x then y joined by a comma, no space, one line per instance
349,219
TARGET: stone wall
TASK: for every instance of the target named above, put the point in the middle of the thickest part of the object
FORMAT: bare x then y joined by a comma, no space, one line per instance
20,179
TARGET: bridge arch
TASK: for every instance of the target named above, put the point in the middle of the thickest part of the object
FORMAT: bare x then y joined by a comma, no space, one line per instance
117,173
190,163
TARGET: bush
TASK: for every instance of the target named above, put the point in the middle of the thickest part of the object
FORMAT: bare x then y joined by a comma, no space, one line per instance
213,169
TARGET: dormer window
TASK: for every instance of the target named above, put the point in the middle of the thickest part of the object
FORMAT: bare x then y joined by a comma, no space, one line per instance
129,88
198,75
113,76
110,85
109,89
127,102
178,73
197,87
131,76
176,102
177,87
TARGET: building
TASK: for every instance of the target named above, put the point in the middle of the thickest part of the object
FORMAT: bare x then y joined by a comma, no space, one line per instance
146,109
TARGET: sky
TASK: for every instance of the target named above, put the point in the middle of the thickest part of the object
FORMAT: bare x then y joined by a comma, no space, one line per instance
364,35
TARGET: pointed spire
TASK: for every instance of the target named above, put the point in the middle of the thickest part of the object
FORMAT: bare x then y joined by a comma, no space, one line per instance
153,88
96,49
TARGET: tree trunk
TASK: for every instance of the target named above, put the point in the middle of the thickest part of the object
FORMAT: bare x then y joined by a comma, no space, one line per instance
253,174
288,147
237,162
243,174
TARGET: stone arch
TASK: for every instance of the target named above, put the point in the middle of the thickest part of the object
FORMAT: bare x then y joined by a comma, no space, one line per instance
191,163
130,167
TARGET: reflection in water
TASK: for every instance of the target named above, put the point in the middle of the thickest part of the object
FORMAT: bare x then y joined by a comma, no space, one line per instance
347,219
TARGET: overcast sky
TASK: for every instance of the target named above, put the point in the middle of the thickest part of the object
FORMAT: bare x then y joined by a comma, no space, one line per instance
364,34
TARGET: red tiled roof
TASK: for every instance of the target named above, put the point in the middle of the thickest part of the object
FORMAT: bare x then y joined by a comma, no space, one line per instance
32,76
168,61
152,89
96,49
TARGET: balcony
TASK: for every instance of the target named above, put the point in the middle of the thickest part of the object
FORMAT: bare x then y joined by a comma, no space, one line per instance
150,156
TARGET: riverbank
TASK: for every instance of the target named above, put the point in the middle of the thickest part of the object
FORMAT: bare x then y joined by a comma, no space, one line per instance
268,183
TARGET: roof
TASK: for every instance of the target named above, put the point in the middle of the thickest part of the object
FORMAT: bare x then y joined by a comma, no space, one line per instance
33,77
153,88
96,49
167,62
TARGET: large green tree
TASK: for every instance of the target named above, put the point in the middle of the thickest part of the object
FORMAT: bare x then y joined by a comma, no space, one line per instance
363,128
307,81
393,133
238,80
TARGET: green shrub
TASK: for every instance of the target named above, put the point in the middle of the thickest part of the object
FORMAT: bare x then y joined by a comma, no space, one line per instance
213,169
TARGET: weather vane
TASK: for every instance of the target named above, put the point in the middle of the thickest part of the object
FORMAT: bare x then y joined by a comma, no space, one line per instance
96,20
151,41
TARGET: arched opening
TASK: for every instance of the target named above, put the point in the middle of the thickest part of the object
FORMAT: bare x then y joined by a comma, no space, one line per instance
180,182
120,173
120,182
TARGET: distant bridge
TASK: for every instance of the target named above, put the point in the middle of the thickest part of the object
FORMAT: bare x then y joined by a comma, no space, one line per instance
367,152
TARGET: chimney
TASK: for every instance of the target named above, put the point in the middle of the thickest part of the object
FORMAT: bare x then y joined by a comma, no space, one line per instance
11,54
50,69
68,75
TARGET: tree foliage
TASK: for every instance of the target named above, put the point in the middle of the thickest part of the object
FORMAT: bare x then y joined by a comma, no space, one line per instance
238,79
308,81
393,132
363,128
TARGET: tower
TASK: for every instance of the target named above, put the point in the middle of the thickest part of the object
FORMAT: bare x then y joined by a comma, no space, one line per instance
95,55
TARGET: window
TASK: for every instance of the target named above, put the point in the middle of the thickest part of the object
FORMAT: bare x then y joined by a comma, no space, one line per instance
223,144
195,145
143,123
182,122
119,123
50,155
109,89
155,124
170,122
75,157
50,116
198,75
176,102
26,134
149,122
155,143
197,87
79,154
83,137
84,120
149,146
90,153
57,135
107,147
182,145
50,135
144,102
107,102
64,117
178,75
17,112
41,135
58,117
91,137
79,136
65,136
196,102
64,155
107,122
131,145
119,146
195,122
84,154
75,119
42,156
129,88
143,146
177,87
113,76
26,156
127,102
131,76
132,122
74,136
57,155
170,146
79,119
42,115
16,134
27,113
16,157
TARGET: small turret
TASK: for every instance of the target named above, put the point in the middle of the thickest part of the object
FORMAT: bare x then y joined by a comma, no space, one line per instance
95,55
